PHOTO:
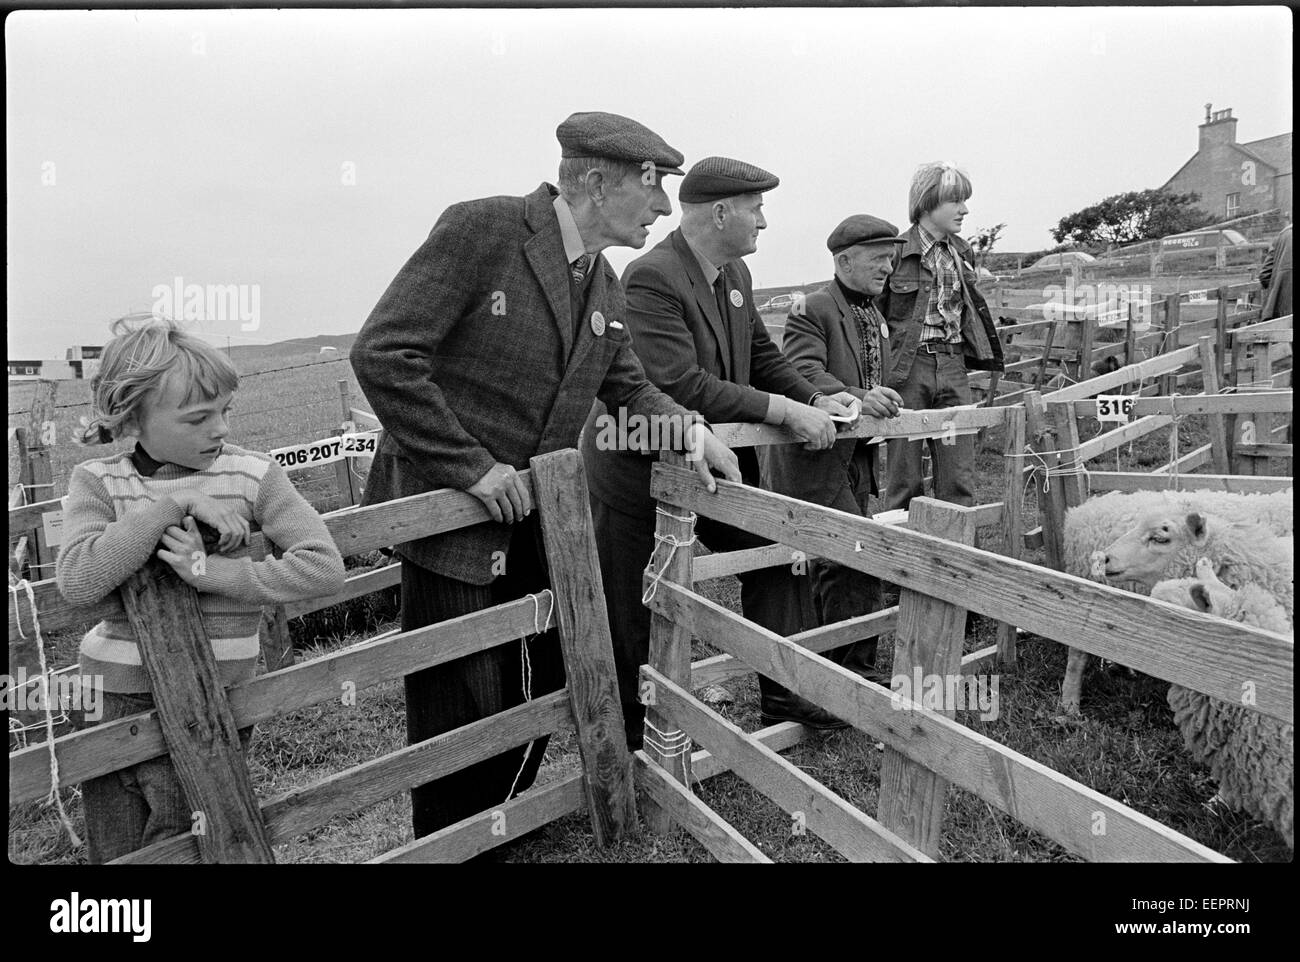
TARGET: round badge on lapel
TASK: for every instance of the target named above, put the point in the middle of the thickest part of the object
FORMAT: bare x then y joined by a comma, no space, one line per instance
884,329
597,323
737,299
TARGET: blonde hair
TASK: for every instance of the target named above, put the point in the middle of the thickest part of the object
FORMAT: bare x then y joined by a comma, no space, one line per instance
142,353
933,184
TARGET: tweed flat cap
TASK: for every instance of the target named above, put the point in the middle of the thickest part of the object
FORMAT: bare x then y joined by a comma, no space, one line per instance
716,178
862,229
598,134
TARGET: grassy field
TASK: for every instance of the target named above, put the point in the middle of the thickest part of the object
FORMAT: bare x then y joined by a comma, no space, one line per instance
1124,745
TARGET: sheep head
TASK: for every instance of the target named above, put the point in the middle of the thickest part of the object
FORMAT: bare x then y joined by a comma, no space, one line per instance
1146,552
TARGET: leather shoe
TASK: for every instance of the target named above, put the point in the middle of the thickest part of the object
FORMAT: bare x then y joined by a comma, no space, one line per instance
794,708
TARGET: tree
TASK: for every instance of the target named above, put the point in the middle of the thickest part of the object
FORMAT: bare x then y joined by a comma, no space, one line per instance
983,242
1137,215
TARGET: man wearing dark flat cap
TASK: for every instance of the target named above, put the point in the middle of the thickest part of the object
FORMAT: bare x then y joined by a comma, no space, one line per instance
489,347
696,329
838,340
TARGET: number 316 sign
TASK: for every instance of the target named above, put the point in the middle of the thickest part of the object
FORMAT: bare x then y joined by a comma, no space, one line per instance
1114,407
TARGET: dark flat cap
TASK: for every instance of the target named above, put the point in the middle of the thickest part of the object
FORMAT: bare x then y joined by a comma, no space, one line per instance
862,229
598,134
716,178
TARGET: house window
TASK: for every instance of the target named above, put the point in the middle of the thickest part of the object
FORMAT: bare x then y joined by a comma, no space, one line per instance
1234,205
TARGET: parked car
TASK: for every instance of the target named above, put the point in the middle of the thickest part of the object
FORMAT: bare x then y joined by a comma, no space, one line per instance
1061,262
780,302
1201,240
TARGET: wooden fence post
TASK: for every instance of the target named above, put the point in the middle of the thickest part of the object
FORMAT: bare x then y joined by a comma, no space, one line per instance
560,486
273,631
1170,343
34,469
195,717
670,649
927,641
1221,333
343,468
1217,422
1051,504
1087,333
1013,528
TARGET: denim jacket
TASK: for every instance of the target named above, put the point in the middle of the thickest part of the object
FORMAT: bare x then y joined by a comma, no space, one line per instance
904,300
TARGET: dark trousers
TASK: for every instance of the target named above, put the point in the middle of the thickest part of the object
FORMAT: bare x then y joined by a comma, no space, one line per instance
134,807
840,592
771,597
935,381
449,696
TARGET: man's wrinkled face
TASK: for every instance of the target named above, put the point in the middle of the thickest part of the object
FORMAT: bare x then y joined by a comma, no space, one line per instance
742,220
867,267
631,206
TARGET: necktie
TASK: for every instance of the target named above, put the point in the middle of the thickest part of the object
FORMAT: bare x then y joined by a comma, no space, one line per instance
579,268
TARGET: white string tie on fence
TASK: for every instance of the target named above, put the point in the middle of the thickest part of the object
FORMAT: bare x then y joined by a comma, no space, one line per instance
526,673
53,797
673,744
673,543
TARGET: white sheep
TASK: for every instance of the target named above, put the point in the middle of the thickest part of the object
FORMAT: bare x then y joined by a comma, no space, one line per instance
1096,524
1251,756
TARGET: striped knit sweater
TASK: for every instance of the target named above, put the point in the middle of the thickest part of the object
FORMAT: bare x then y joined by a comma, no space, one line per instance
115,513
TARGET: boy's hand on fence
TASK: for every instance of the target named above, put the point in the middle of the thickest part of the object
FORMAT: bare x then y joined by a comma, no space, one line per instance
182,550
230,524
503,494
707,454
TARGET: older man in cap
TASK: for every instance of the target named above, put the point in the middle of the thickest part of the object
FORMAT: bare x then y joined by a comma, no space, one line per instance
837,339
489,347
695,327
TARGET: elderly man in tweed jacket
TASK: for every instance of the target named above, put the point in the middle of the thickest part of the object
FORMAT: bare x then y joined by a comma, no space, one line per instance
489,347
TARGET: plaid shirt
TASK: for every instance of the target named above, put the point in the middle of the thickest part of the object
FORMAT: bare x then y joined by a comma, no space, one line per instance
943,312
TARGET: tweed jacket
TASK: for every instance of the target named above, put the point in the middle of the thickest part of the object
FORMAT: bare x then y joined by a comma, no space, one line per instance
903,302
722,367
822,342
1275,276
471,357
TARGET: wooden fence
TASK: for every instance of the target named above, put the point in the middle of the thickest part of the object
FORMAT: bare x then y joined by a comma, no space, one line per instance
942,576
196,722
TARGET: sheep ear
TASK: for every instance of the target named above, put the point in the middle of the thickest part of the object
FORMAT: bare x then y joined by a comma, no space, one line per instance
1196,525
1200,597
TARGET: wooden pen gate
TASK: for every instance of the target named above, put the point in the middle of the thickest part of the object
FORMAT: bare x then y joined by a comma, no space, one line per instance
197,722
942,576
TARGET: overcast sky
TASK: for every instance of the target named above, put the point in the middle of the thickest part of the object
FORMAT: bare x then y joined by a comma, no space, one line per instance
306,154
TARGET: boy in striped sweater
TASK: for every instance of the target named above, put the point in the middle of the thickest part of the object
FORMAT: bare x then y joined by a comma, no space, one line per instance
172,392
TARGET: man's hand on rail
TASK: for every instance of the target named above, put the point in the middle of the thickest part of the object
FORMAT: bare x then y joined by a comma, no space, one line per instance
707,454
881,402
502,493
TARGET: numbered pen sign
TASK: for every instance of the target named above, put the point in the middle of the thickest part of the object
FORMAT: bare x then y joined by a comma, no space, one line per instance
327,451
1115,407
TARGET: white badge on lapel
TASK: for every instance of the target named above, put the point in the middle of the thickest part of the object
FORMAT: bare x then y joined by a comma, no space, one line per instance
597,323
737,299
884,330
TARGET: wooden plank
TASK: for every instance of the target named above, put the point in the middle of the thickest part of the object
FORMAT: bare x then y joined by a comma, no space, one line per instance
343,468
907,424
355,586
1041,374
1207,403
1263,450
1188,462
1133,481
353,789
471,836
1283,323
570,539
724,563
1263,337
273,630
720,668
707,827
1096,447
929,640
1035,795
815,808
198,726
114,745
364,420
1177,644
1151,367
1051,501
34,467
670,646
23,517
1220,337
1218,424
